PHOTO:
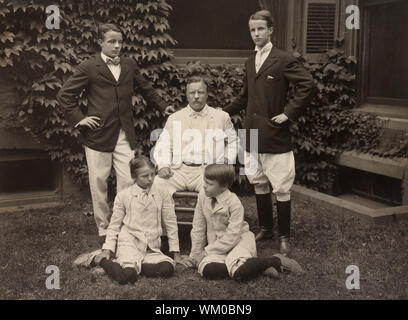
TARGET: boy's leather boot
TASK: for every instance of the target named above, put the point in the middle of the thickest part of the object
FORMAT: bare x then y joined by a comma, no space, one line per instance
265,216
283,212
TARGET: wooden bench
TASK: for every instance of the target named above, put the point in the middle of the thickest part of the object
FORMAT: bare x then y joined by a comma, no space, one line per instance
185,205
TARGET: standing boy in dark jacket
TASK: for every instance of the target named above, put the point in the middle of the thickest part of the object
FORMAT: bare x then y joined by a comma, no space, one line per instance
107,130
264,95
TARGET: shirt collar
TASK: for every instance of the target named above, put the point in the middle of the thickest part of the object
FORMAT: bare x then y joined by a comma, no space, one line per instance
136,190
266,47
204,111
104,57
223,196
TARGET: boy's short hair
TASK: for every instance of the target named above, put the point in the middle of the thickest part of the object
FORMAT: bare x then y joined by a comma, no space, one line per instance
224,174
138,162
197,78
106,27
263,15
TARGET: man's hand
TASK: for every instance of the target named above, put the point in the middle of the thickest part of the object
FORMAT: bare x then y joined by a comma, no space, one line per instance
165,173
105,254
91,122
169,110
281,118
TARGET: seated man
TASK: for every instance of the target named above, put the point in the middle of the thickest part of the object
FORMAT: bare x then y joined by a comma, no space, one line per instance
193,137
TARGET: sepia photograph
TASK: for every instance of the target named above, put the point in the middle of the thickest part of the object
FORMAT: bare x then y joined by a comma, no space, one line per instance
204,157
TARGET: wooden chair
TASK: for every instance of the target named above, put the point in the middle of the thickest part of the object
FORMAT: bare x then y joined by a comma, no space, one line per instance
185,204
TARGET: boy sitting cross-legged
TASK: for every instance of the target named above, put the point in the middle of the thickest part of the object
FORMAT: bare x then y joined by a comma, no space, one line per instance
133,239
221,243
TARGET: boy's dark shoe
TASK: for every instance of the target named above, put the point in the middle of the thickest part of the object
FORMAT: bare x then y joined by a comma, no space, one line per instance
272,273
130,275
284,247
289,264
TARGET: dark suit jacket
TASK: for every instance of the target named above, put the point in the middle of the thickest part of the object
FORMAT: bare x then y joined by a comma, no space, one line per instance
108,99
264,95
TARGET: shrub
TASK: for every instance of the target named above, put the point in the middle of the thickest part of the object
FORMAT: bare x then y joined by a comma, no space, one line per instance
38,61
328,125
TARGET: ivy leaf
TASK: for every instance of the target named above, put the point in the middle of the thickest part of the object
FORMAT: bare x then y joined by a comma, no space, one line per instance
38,87
59,46
332,67
50,102
20,5
4,11
7,36
142,8
6,62
141,123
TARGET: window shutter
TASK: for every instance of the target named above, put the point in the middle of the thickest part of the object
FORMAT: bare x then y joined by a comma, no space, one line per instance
321,26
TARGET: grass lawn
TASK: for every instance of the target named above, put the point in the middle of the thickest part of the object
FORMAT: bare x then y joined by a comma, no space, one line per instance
325,242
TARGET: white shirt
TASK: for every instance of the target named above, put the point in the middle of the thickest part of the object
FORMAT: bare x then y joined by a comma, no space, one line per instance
261,55
179,141
115,69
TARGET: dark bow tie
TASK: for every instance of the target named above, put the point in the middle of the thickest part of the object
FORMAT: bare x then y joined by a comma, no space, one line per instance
115,61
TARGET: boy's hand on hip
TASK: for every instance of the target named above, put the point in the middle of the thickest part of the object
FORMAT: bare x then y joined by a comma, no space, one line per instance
92,122
165,173
281,118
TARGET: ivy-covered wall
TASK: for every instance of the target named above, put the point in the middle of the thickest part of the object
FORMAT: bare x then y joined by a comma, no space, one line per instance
37,61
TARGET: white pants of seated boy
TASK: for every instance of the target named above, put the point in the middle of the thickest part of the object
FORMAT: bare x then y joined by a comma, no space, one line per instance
278,169
99,169
129,254
245,249
185,178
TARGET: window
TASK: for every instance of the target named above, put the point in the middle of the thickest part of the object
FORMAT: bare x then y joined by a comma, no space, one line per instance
385,53
27,176
370,185
212,24
211,27
321,24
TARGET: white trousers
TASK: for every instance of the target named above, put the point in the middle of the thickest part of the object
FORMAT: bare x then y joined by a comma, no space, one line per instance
244,250
99,169
128,253
185,178
278,169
